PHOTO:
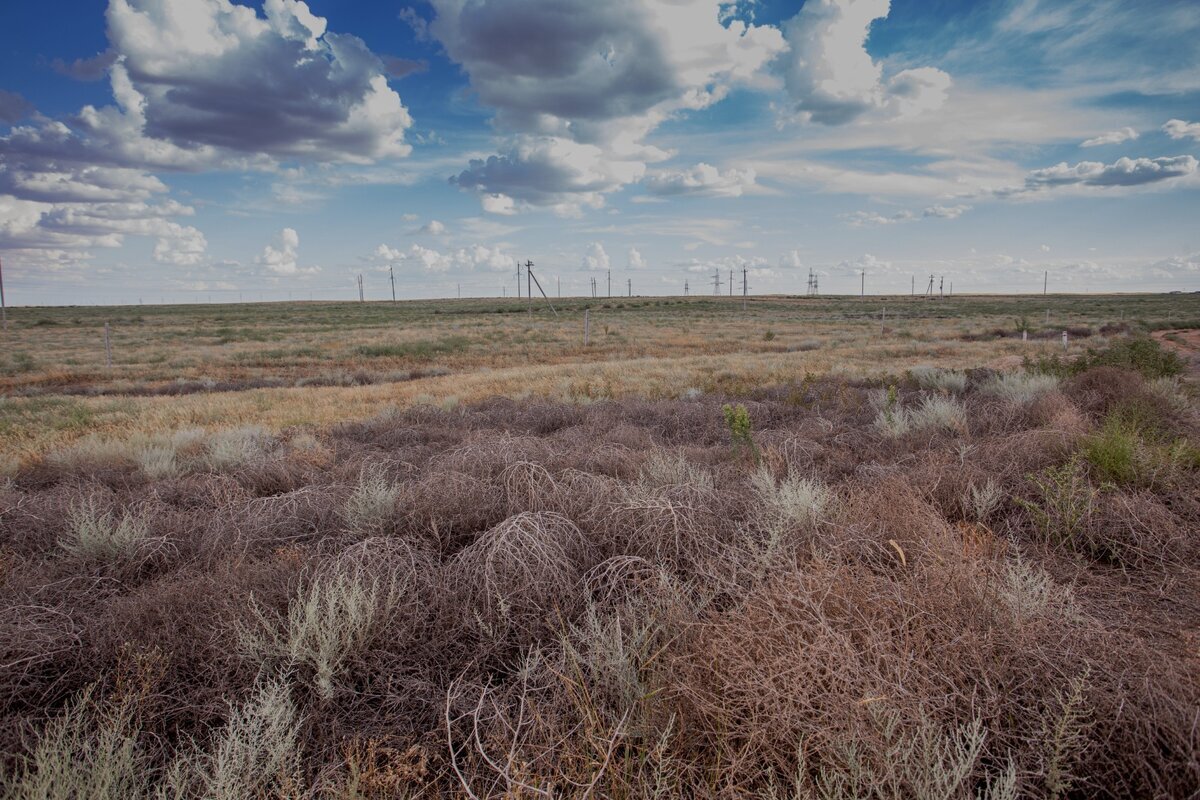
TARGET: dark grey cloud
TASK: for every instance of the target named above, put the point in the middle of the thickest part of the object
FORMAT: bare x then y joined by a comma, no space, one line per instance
397,67
581,84
197,84
280,86
549,171
571,60
1122,172
86,69
13,106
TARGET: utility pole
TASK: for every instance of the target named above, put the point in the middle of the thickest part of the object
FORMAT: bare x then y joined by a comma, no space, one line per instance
392,275
1045,281
3,307
518,279
941,286
731,281
529,273
685,289
528,284
862,289
716,282
745,288
361,298
610,283
630,286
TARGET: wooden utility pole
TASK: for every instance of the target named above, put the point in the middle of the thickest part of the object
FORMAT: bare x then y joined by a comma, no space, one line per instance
528,285
529,272
862,289
1045,281
630,286
3,307
392,275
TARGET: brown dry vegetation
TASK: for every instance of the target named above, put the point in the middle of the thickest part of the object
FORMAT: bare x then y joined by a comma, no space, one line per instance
287,364
934,591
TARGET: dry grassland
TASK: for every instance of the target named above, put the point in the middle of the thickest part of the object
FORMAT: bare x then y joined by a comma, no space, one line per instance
445,550
313,364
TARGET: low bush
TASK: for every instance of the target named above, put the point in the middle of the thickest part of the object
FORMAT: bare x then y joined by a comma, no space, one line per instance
1139,354
1113,452
327,624
372,503
1021,387
540,599
96,535
948,381
1062,504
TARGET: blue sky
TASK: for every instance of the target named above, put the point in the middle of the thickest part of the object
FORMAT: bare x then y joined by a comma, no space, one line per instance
187,150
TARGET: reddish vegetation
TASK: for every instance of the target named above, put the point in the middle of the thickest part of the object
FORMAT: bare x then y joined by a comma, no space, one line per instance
571,611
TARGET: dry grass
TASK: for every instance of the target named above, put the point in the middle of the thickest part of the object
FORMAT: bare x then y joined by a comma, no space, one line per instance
607,599
306,364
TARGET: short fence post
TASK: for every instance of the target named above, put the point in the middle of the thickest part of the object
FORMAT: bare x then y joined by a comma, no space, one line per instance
1064,340
107,348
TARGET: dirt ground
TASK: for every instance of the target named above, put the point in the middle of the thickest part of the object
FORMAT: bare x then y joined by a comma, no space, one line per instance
1184,342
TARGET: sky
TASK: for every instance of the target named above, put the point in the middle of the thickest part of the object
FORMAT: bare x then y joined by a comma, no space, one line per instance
223,151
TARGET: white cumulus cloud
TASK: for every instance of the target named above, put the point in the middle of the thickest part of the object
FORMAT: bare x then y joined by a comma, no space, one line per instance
280,257
595,258
702,180
1122,172
1179,129
636,260
463,259
1111,137
831,77
589,82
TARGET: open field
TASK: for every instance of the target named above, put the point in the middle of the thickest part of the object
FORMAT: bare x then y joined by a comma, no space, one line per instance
445,550
312,364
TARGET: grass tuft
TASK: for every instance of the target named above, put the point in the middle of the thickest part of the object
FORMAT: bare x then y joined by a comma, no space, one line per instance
98,536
